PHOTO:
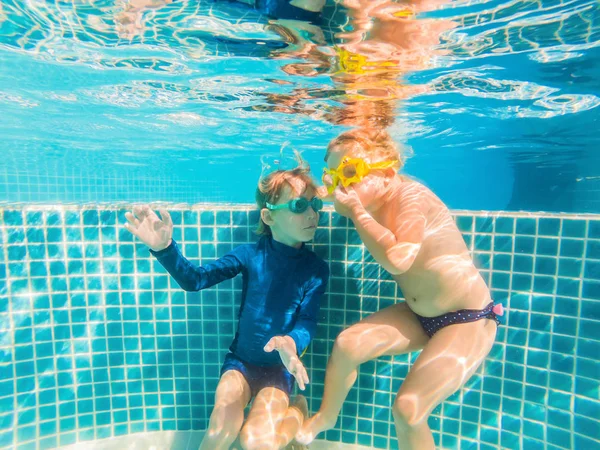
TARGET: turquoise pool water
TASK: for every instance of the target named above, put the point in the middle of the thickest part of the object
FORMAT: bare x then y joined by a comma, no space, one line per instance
182,107
186,106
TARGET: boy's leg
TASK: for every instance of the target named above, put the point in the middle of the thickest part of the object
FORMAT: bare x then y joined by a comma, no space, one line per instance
232,396
392,331
292,421
260,432
452,355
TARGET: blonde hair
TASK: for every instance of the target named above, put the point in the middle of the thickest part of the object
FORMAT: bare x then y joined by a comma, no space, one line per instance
270,188
373,145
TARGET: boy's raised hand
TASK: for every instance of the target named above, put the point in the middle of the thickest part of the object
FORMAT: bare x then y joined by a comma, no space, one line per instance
286,347
152,231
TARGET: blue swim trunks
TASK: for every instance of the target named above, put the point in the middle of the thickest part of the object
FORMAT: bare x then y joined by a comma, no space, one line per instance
283,9
432,325
259,377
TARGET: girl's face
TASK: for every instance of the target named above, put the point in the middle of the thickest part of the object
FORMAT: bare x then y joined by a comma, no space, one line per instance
370,188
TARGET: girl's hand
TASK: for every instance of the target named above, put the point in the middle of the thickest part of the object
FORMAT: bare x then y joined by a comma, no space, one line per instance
346,201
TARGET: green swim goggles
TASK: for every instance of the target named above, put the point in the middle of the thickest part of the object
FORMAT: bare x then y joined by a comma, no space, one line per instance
298,205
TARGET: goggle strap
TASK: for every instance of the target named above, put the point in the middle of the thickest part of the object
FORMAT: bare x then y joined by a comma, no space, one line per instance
383,164
273,207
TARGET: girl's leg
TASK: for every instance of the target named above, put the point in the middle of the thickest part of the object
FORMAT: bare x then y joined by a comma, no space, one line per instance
232,396
392,331
452,355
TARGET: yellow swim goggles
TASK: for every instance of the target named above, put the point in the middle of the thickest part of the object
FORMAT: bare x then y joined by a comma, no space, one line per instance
352,63
352,170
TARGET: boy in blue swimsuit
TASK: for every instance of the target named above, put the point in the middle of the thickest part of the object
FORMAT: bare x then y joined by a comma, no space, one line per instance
283,282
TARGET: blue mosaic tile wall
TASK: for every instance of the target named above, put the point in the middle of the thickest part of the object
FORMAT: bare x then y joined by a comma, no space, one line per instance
96,340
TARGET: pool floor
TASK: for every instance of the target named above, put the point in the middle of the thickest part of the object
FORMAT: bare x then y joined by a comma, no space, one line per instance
179,440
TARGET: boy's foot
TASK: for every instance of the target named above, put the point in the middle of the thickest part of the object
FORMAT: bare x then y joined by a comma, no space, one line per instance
312,427
302,405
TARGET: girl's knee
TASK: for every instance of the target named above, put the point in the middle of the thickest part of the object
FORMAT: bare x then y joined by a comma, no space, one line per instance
406,411
345,346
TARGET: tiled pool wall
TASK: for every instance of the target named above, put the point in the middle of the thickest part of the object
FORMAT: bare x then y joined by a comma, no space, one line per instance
97,341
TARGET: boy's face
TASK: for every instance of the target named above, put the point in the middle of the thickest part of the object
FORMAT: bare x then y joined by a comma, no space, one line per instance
294,228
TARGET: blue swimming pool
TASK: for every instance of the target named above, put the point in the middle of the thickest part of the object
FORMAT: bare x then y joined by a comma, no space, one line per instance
185,104
99,342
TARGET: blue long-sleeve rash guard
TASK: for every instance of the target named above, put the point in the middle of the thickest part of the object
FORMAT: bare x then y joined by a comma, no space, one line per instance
281,294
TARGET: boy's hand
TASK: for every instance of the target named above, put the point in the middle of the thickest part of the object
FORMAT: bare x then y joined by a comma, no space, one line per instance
286,347
152,231
346,201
